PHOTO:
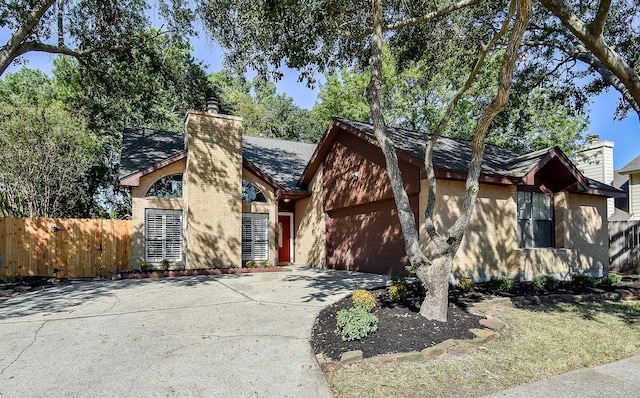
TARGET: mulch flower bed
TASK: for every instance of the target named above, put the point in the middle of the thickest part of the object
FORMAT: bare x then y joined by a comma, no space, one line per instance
400,327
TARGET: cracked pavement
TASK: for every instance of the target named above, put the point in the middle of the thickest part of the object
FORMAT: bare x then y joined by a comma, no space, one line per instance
231,335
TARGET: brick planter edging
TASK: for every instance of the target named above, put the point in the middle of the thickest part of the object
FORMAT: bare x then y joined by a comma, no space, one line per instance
190,272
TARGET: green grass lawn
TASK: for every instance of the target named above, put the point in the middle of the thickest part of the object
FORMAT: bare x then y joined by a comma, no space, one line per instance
540,342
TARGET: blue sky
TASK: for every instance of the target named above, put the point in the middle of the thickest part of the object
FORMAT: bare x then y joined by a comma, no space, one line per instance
625,134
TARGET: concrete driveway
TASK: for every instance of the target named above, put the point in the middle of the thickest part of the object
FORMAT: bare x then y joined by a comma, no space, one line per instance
216,336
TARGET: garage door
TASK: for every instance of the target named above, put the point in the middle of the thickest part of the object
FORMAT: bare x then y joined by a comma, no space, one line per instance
366,238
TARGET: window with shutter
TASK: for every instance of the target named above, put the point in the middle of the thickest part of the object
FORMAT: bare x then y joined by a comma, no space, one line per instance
163,235
255,237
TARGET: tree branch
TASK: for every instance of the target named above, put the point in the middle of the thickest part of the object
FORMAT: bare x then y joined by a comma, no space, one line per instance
597,25
581,53
482,126
48,48
9,50
441,242
432,15
414,21
597,46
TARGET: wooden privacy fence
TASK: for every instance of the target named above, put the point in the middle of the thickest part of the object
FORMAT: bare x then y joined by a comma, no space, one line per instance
66,248
624,246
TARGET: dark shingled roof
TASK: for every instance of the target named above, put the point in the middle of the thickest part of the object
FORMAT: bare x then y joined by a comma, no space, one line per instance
631,167
142,147
619,180
454,154
284,161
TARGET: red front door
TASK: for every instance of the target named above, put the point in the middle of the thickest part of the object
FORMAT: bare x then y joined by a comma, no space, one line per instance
284,252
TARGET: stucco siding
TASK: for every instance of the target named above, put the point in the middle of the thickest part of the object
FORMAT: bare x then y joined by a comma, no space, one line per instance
139,203
588,233
270,208
310,226
213,188
488,244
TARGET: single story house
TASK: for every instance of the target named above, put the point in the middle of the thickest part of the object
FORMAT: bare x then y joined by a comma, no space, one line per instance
211,197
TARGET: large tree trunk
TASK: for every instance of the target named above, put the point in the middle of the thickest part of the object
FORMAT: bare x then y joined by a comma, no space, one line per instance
436,281
434,276
373,95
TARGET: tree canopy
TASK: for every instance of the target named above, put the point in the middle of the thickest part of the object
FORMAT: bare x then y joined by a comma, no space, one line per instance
264,111
84,28
534,119
47,153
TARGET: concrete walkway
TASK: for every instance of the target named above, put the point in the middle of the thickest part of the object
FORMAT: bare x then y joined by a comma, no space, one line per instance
619,379
219,336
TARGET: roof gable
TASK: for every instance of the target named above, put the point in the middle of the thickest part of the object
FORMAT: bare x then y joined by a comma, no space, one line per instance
143,148
452,157
279,162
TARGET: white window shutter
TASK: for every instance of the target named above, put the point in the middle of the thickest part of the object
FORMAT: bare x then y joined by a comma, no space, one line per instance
163,235
255,236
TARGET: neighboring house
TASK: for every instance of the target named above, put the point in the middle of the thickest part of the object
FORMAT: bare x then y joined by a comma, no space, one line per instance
595,160
628,180
212,197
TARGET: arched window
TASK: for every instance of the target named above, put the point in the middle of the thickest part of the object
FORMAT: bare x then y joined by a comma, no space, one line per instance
251,193
167,187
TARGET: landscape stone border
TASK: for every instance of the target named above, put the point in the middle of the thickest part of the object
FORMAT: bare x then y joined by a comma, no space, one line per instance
492,328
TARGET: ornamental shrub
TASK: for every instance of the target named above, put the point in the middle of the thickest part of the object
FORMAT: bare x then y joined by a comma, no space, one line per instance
11,277
583,280
466,284
250,264
501,284
397,291
355,323
364,299
610,280
263,263
397,279
546,282
165,264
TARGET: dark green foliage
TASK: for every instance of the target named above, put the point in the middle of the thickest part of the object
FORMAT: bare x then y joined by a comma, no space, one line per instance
165,264
48,156
610,280
501,284
397,279
355,323
546,282
87,28
583,280
267,113
150,86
